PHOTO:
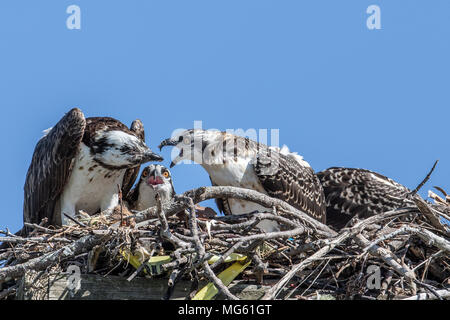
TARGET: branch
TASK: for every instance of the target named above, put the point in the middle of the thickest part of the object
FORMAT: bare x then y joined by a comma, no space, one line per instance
424,180
201,252
206,193
84,244
388,257
444,293
344,235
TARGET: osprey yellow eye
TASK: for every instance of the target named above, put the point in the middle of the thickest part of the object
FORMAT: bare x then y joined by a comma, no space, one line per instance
165,174
145,173
186,141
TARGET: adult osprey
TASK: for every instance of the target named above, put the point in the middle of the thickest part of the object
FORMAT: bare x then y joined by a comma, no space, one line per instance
154,179
79,165
353,192
232,160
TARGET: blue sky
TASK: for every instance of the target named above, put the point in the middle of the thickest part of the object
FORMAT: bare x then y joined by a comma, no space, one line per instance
340,94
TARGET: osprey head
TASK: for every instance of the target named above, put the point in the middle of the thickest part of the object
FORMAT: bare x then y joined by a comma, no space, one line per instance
200,146
154,179
156,176
118,149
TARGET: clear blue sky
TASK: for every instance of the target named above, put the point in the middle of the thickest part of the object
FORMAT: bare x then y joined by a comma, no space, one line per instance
340,94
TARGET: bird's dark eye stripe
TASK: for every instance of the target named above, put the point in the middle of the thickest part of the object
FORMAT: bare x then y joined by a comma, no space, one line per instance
180,139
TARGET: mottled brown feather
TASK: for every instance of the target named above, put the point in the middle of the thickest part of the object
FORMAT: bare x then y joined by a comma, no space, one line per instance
353,192
51,166
53,158
284,178
137,128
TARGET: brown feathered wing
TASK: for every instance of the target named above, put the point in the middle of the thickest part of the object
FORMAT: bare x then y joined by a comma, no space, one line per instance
284,178
353,192
131,174
51,166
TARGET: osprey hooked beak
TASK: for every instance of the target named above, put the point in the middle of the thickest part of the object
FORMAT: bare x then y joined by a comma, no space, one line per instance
151,156
168,142
174,143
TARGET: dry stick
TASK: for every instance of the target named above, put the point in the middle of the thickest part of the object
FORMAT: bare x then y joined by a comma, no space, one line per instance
206,193
438,212
388,257
41,263
444,293
201,252
41,228
245,217
315,279
386,282
231,227
269,235
165,231
430,288
291,292
7,233
174,264
428,260
344,235
259,198
427,236
9,291
34,239
316,245
414,192
75,220
273,292
427,212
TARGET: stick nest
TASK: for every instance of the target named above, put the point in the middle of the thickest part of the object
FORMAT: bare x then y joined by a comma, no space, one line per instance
401,254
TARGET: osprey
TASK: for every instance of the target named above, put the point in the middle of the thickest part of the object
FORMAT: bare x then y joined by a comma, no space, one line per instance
154,179
80,164
353,192
232,160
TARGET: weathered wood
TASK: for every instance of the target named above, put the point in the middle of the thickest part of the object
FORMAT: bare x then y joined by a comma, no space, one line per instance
95,287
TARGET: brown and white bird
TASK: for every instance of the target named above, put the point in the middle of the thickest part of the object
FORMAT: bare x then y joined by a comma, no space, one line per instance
155,179
363,193
231,160
80,164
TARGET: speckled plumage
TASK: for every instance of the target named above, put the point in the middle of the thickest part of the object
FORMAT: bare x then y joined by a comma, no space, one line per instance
142,196
353,192
291,182
231,160
75,154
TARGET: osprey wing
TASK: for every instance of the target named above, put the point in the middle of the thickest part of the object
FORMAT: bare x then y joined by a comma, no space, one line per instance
360,192
286,179
137,127
51,166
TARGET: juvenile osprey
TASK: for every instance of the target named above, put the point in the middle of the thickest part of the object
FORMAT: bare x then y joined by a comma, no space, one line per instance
353,192
79,165
231,160
154,179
